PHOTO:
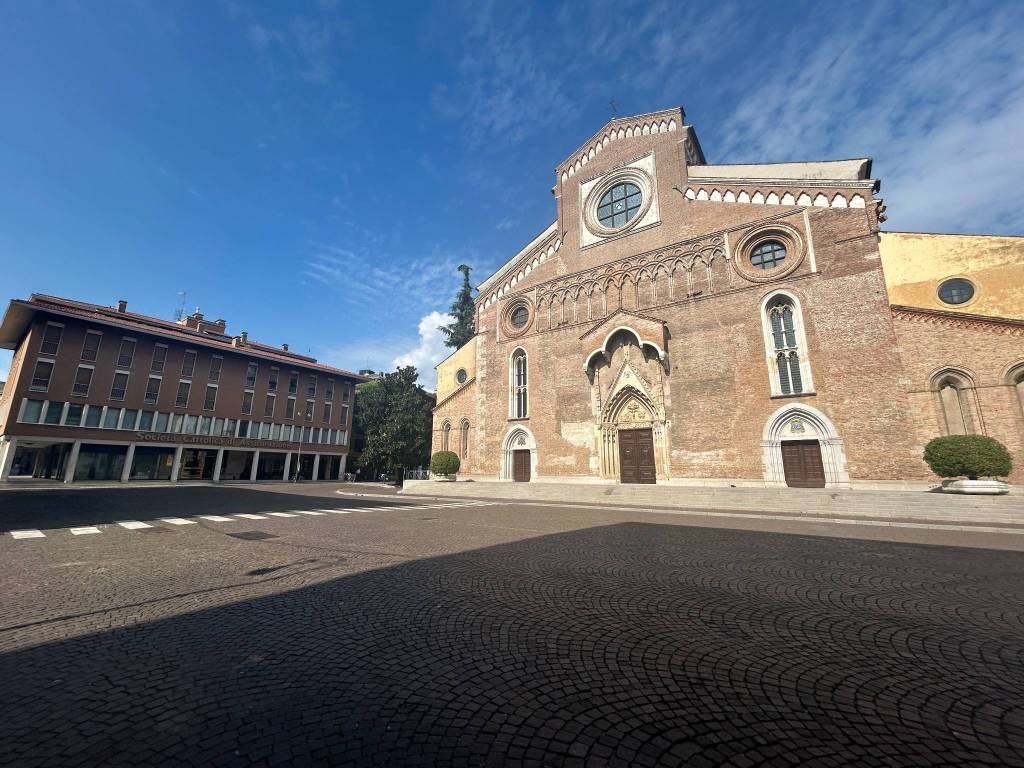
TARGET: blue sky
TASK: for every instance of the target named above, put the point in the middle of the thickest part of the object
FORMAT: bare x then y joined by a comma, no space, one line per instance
314,172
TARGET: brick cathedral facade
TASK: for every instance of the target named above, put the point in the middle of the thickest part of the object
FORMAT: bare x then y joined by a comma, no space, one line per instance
682,322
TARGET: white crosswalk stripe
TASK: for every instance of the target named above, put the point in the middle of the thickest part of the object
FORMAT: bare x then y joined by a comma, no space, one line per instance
85,530
307,512
28,534
336,511
133,525
247,516
280,514
178,521
216,518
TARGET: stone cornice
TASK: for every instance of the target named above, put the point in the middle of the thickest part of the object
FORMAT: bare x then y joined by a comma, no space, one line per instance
462,388
1003,325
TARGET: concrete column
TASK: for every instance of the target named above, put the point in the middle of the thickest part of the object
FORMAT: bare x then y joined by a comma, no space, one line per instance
316,465
126,473
69,472
287,465
217,464
341,466
176,466
255,465
10,446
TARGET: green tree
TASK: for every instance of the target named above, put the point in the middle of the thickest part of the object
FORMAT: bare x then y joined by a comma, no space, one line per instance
463,310
394,415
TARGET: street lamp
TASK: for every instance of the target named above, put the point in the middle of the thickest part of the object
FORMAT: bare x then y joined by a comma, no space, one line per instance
298,461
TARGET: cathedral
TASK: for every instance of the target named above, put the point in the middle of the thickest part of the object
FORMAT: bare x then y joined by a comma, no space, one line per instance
751,325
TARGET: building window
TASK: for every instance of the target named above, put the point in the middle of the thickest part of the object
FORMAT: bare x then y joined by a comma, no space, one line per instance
54,412
161,422
82,381
93,416
268,409
119,386
327,412
188,364
768,255
31,411
181,399
289,411
91,346
204,425
953,390
230,425
159,358
309,410
311,389
789,368
461,376
210,402
111,417
247,402
518,407
464,440
329,391
275,432
126,353
215,365
293,383
272,381
41,375
129,418
146,421
345,392
619,205
152,390
446,436
343,421
74,415
191,424
956,291
51,339
250,374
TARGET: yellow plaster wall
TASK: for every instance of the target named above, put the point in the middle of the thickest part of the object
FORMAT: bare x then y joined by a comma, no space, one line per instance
916,263
463,357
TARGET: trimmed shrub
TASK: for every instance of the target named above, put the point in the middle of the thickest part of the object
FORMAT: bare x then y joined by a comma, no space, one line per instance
444,463
972,456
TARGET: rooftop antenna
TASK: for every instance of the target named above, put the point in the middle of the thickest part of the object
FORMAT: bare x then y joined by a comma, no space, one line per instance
180,311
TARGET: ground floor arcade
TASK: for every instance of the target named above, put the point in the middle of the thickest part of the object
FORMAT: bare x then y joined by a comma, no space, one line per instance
94,461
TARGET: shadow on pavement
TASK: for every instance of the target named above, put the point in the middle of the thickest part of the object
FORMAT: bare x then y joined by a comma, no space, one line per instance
631,644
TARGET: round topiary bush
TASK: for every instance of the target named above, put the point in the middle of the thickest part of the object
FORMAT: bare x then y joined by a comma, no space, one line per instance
444,463
970,456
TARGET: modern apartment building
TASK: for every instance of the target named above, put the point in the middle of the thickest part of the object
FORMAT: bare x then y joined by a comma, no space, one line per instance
101,393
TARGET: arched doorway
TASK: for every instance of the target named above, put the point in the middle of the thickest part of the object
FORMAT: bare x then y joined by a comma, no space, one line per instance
518,455
632,439
802,449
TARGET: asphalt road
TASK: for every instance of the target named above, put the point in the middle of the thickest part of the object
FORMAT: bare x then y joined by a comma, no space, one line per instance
347,630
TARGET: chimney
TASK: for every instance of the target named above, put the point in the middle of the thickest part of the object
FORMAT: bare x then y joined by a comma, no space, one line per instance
245,337
284,347
122,306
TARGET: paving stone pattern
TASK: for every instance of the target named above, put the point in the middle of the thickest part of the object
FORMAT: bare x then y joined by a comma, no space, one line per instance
623,643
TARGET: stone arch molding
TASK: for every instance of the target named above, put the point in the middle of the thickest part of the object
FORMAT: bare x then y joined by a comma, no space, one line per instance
803,422
640,342
518,438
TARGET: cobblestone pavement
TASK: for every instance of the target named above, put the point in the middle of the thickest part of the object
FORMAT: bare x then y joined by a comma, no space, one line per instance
493,635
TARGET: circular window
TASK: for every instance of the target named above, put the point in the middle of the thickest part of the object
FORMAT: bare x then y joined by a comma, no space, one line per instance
519,317
461,376
619,205
956,291
768,255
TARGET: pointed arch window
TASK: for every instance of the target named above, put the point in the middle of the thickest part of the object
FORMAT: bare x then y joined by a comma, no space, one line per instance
464,440
954,405
786,346
518,398
446,435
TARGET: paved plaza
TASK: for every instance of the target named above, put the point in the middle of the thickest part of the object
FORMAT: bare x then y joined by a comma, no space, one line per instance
281,625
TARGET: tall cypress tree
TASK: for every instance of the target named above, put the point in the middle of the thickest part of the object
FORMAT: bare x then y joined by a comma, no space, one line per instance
463,310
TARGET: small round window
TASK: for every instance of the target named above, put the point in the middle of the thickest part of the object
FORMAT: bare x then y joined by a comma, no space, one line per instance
956,291
619,205
519,317
768,255
461,376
